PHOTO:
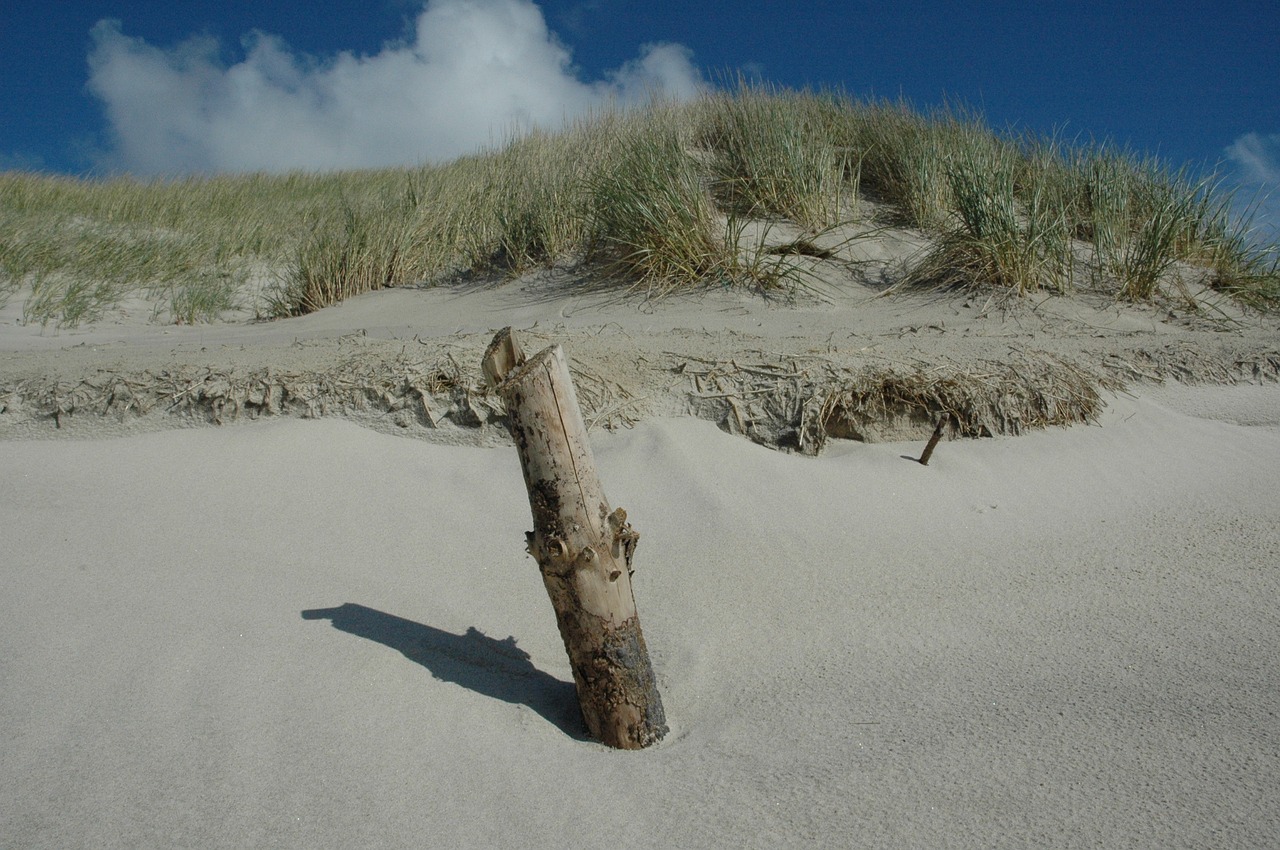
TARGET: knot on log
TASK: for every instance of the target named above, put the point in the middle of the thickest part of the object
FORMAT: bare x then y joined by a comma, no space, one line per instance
625,538
587,559
553,556
551,553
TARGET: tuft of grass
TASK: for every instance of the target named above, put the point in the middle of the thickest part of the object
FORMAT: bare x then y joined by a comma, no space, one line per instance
356,251
998,234
1143,219
649,217
1243,269
83,246
903,156
1103,211
772,155
1150,251
203,296
659,197
518,207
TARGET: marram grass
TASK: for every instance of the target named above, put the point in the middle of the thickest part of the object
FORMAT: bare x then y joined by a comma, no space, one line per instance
656,198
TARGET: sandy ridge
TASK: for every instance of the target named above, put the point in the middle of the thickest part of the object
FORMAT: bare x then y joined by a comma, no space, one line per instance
790,373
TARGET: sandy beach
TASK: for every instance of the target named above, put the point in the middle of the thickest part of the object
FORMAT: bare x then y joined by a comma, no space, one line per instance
323,631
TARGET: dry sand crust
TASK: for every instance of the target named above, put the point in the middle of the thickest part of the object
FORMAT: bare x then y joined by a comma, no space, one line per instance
300,632
787,372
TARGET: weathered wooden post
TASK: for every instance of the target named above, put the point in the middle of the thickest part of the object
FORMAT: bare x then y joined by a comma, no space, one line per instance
583,548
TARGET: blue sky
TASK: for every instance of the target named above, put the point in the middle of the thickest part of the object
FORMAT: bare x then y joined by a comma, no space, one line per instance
175,86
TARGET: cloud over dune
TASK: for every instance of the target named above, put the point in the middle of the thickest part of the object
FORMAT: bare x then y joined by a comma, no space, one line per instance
1256,161
1257,156
473,71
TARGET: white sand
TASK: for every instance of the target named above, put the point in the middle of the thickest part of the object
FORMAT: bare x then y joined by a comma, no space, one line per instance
1067,639
307,634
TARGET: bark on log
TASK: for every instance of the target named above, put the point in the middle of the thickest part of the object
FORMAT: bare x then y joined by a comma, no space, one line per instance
583,548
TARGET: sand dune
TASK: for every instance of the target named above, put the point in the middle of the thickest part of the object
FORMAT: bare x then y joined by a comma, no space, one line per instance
313,632
308,634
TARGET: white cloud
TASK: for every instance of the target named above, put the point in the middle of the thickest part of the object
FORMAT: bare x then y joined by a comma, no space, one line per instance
474,71
1257,157
1255,160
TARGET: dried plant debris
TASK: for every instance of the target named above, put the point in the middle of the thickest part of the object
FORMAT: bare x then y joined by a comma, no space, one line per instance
1192,364
794,402
431,394
604,403
801,402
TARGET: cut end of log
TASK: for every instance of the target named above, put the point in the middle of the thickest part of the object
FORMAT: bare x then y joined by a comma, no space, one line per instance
503,356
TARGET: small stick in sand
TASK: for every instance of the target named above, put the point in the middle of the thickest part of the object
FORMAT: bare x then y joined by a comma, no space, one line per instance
933,441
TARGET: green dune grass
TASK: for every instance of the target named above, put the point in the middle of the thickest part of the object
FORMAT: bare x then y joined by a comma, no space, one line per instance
655,198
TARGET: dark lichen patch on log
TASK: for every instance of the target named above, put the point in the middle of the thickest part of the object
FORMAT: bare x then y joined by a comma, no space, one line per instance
625,647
